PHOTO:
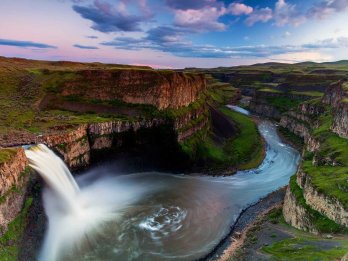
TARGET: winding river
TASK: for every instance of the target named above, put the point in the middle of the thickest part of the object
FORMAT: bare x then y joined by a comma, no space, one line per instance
159,216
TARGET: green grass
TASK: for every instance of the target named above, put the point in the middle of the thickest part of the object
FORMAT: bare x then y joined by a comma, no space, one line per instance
9,242
297,141
319,221
330,181
245,150
7,154
309,93
201,148
304,249
269,90
283,104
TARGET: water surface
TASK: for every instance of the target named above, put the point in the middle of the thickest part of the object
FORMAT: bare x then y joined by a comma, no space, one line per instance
159,216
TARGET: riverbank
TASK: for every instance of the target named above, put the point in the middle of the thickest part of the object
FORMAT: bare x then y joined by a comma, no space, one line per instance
271,238
246,218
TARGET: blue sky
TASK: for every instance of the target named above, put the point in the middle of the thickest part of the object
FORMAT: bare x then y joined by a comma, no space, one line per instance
175,33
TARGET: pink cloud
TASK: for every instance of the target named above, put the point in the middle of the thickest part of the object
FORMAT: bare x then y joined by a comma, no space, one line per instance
239,9
205,19
259,15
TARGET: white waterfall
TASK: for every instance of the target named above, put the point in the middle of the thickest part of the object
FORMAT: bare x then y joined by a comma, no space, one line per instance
55,173
76,215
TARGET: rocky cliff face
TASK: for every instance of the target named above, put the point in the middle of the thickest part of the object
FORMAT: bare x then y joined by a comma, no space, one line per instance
76,143
315,205
163,89
191,122
71,144
340,120
13,180
336,95
104,135
262,108
301,120
329,207
295,214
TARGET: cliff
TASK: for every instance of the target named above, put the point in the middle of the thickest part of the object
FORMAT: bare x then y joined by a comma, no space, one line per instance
336,96
162,89
272,103
300,120
319,201
316,200
13,180
295,214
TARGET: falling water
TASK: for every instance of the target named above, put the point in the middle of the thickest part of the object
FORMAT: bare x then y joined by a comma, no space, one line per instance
56,174
77,214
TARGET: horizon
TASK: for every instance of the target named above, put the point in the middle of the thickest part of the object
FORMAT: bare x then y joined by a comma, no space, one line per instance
159,68
175,33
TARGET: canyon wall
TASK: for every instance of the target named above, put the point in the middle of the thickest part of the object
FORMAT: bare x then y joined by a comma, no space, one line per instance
13,180
337,96
163,89
260,105
327,206
271,104
315,206
295,214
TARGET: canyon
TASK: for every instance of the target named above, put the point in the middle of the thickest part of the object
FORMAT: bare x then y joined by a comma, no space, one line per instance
90,114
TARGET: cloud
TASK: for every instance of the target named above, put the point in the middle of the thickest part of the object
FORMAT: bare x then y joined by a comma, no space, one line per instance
239,9
285,13
107,18
25,44
171,40
326,8
259,15
189,4
85,47
286,34
201,20
205,15
92,37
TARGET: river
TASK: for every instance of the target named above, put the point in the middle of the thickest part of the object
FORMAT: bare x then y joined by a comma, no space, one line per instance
160,216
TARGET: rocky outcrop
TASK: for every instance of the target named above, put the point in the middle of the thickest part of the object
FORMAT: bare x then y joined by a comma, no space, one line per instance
340,120
191,122
301,120
336,95
13,179
298,127
163,89
103,135
325,205
313,144
263,108
71,143
295,214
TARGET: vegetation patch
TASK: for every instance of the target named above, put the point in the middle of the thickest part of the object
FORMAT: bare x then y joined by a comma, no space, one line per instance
283,104
330,181
295,140
319,221
305,249
7,154
10,241
245,150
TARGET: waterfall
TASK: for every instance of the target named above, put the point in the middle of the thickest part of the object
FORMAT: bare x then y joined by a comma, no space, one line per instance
78,214
55,173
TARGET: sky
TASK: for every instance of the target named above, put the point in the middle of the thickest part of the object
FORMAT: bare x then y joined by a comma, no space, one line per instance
175,33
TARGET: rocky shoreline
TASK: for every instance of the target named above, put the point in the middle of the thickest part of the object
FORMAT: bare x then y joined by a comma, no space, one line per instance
246,218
